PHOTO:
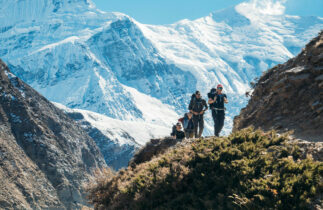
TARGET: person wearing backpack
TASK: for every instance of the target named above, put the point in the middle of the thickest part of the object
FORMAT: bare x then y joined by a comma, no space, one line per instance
197,107
177,132
188,125
216,102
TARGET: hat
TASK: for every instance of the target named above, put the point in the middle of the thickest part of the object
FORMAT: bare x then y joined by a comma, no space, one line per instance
178,124
219,85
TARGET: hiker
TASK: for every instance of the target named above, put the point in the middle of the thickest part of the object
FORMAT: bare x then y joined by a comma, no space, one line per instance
197,107
216,102
177,132
188,125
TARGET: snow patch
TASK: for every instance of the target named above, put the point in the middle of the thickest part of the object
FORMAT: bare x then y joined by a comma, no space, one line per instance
71,40
14,81
115,130
10,75
154,111
296,70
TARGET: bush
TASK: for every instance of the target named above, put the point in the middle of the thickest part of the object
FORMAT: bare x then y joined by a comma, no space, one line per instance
247,170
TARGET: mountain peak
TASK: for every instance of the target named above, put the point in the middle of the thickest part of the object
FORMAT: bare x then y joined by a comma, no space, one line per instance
230,16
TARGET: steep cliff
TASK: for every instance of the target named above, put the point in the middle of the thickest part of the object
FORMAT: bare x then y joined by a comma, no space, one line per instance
290,96
44,156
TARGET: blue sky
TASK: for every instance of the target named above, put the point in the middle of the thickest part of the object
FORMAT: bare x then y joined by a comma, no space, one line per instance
170,11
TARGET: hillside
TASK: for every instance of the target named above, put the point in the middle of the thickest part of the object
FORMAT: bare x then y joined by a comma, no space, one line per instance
247,170
290,96
45,157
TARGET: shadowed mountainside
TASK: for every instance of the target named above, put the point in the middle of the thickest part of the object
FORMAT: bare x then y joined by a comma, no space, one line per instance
290,96
45,157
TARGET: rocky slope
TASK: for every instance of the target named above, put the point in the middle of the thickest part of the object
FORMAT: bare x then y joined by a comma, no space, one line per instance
44,156
290,96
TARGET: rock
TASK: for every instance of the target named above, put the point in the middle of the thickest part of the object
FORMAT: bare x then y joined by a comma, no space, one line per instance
297,100
299,77
116,156
45,157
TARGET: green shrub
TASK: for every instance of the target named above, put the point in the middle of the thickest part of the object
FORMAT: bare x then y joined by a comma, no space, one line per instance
247,170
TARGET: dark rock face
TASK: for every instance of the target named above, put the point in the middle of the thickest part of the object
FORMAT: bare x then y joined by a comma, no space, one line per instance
290,96
115,155
45,157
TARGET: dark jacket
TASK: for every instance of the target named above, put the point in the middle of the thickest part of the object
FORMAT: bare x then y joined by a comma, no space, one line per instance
197,105
219,104
188,124
178,134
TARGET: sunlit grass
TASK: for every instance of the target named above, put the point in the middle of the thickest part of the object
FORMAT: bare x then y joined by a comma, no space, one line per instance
247,170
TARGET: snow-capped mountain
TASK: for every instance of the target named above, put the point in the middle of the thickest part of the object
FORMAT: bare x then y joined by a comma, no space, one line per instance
118,140
109,63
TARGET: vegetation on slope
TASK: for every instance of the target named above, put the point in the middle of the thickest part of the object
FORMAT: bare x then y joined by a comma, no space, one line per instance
247,170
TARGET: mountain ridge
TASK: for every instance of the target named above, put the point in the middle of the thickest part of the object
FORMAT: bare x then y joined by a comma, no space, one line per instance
296,88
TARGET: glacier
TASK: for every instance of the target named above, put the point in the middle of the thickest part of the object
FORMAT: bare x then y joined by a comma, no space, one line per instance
138,76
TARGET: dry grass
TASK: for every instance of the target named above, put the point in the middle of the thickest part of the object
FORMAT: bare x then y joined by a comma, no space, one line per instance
100,179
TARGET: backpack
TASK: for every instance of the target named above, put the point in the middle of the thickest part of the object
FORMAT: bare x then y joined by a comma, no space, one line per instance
173,130
181,120
211,95
193,101
193,98
185,121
